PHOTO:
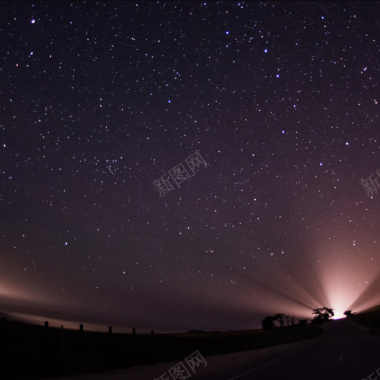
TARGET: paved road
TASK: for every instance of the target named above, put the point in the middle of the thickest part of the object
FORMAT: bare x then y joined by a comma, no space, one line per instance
343,352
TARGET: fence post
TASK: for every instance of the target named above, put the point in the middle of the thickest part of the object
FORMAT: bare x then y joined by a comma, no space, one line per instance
80,336
46,342
61,335
3,333
109,341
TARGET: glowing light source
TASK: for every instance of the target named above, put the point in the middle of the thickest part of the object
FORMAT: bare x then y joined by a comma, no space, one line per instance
346,278
336,278
338,315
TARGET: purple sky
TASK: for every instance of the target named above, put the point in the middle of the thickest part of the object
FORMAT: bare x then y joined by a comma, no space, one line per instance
100,100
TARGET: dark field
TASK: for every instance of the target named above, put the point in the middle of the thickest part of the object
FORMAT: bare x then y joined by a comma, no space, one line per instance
370,319
31,351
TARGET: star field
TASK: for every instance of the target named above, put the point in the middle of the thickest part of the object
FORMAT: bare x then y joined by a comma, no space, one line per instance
100,99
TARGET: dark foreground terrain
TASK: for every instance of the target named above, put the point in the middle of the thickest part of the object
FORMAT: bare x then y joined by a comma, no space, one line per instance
345,351
30,351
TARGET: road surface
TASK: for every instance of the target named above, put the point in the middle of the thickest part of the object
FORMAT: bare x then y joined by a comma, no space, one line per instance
343,352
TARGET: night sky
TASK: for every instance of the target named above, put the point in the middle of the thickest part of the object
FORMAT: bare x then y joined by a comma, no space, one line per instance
100,102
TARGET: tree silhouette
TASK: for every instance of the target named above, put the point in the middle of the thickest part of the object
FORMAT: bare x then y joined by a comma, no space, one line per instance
268,323
330,311
302,322
280,318
322,314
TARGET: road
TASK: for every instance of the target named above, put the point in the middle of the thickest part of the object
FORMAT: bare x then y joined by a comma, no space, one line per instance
343,352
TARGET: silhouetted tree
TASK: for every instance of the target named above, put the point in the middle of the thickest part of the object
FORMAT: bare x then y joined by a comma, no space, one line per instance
268,322
348,313
302,322
280,318
322,314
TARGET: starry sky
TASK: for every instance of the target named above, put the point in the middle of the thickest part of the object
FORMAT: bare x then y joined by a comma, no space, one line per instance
100,100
